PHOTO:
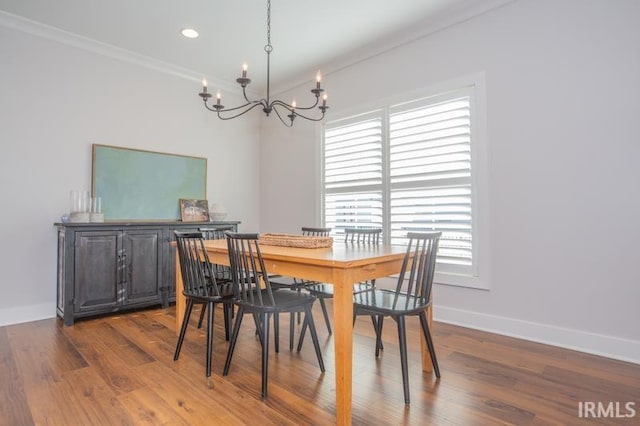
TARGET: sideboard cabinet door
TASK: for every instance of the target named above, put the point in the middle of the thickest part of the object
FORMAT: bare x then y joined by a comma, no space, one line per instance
142,276
96,271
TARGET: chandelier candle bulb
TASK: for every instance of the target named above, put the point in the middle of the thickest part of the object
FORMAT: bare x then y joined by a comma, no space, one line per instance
324,100
244,70
204,85
318,78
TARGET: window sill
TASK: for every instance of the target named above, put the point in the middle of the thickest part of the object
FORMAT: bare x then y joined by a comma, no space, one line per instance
459,280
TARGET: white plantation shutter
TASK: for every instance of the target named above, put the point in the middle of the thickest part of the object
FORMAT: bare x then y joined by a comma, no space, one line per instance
430,175
353,175
405,168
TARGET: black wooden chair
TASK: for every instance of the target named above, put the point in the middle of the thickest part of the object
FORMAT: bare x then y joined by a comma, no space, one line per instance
222,274
296,284
199,286
412,297
255,295
325,291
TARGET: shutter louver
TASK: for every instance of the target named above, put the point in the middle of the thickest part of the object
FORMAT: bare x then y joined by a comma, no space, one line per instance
353,155
406,168
353,175
430,176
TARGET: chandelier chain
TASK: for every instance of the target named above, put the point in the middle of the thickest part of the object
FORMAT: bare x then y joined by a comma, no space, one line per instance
268,48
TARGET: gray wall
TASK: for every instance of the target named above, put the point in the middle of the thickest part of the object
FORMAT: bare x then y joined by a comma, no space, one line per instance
55,101
562,90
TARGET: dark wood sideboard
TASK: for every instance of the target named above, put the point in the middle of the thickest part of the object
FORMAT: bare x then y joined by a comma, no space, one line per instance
115,266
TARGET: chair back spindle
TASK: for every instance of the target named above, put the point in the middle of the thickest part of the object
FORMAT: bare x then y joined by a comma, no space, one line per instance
222,273
315,232
195,266
420,262
216,233
362,235
251,282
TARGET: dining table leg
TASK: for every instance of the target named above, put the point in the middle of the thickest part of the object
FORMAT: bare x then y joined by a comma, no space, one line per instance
343,344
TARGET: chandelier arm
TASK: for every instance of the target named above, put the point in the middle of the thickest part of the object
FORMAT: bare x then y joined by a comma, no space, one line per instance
236,108
252,103
297,114
281,103
208,107
289,106
246,98
290,124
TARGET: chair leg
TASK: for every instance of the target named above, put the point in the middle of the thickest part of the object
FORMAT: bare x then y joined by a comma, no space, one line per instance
227,309
211,312
257,320
303,331
234,339
292,329
276,331
265,352
325,313
308,319
202,312
402,339
429,340
299,313
183,329
377,324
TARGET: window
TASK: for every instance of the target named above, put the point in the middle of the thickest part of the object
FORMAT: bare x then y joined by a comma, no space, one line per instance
407,167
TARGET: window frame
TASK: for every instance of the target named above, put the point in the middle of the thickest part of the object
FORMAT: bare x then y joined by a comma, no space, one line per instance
474,86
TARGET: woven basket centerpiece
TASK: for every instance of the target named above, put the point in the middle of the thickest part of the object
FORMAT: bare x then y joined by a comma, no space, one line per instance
295,240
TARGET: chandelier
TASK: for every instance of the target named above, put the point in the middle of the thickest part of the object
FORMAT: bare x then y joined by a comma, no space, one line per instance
291,111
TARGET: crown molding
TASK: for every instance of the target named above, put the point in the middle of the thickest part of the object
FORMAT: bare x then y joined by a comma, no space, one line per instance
38,29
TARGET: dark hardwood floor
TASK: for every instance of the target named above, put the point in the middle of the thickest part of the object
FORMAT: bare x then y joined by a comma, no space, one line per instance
120,370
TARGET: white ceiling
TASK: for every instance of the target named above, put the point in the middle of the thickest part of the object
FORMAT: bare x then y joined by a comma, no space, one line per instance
306,35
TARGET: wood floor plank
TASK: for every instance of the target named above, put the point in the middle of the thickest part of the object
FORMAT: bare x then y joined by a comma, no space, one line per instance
114,371
42,351
120,370
104,332
147,408
14,407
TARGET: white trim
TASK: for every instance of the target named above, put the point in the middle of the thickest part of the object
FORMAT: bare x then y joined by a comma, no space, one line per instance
48,32
597,344
27,313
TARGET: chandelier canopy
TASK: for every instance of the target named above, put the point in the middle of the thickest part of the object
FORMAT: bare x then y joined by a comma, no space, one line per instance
291,111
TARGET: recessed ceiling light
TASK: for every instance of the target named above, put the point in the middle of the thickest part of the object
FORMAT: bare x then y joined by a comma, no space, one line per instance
189,33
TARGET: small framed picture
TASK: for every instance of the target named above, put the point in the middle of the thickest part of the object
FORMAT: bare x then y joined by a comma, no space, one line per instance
194,210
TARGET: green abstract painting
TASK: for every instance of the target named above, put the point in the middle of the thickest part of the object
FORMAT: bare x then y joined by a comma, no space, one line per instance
145,185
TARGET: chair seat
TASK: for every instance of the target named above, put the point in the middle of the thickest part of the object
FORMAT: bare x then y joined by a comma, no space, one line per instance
285,301
225,291
387,302
281,281
326,290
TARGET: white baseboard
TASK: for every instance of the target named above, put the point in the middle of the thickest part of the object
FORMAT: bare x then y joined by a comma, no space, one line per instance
596,344
27,313
592,343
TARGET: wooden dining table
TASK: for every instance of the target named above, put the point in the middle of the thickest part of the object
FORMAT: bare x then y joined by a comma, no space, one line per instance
342,265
